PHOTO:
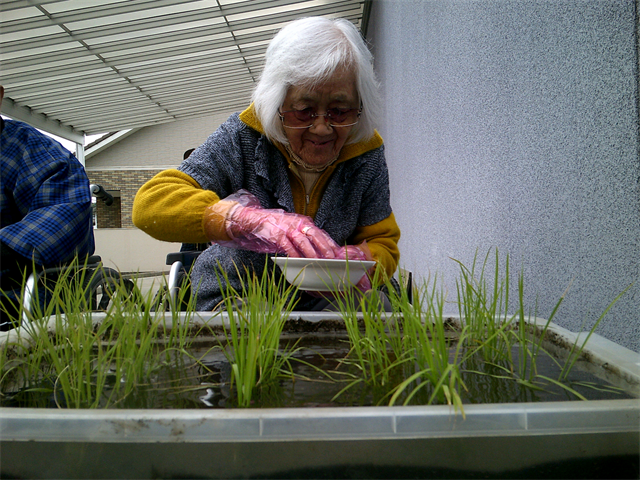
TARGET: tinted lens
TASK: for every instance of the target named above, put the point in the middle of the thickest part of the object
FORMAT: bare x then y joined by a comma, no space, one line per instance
297,118
305,115
338,115
305,118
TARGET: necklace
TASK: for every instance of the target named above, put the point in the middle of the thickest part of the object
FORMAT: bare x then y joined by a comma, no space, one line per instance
298,161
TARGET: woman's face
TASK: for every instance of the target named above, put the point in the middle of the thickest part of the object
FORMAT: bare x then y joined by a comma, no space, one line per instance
321,143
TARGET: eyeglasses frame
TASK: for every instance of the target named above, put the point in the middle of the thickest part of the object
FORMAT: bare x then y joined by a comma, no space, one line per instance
315,115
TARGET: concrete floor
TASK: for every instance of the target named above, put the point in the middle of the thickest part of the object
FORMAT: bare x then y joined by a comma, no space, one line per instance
151,282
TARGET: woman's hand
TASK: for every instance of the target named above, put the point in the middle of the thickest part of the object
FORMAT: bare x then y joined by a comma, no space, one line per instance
353,252
276,231
251,227
358,252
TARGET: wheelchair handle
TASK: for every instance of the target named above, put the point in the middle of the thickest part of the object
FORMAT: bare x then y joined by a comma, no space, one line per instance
99,192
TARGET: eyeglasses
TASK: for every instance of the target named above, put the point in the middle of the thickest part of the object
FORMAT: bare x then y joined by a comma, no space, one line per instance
337,117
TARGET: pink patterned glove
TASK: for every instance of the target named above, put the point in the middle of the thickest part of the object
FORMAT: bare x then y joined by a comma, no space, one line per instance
274,231
360,252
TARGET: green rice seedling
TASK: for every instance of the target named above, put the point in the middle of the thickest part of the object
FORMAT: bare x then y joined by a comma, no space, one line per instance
521,336
529,346
423,329
370,347
129,348
446,385
179,334
256,318
120,347
492,330
55,355
412,340
576,349
64,347
375,342
15,372
485,313
146,328
434,364
530,340
484,308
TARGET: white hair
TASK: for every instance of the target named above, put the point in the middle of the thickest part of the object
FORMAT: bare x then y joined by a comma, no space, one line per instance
307,52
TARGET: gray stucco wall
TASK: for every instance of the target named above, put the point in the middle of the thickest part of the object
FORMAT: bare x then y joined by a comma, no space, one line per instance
514,124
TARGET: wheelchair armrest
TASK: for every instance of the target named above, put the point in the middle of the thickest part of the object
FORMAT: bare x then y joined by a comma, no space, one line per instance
94,259
186,258
92,262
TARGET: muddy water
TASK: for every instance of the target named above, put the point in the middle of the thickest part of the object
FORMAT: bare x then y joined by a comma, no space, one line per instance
322,373
319,373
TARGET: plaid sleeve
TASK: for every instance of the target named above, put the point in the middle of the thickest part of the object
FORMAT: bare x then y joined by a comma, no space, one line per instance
46,201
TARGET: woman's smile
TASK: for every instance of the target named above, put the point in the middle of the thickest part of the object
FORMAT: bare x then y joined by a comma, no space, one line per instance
321,143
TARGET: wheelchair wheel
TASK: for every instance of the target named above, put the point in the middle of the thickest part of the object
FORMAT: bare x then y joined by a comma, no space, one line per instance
107,285
395,288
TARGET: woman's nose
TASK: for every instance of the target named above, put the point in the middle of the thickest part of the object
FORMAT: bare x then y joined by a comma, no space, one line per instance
321,123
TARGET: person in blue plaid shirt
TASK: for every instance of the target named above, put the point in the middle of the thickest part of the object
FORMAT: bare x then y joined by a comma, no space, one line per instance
45,206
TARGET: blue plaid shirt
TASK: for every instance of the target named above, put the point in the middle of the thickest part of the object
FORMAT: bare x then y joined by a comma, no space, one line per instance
45,208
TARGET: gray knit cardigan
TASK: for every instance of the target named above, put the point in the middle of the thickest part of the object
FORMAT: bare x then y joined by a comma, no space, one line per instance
238,157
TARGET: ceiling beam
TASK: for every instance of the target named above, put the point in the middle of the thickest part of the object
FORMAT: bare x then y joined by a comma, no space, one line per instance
38,120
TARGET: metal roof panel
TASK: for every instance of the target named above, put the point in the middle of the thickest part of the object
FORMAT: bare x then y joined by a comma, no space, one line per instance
94,66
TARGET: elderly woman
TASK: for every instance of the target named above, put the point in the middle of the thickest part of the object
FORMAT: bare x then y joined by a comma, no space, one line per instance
300,172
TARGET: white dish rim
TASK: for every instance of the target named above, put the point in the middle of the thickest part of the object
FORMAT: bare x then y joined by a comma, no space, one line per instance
320,261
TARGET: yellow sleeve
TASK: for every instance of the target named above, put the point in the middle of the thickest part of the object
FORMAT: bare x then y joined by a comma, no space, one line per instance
171,207
382,239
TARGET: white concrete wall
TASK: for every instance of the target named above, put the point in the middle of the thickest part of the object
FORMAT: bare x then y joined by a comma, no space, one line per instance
160,146
132,250
514,124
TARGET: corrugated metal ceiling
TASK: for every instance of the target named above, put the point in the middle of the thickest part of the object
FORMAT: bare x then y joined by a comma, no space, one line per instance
94,66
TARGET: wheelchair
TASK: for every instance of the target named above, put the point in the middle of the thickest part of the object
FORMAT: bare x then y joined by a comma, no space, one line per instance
98,282
177,293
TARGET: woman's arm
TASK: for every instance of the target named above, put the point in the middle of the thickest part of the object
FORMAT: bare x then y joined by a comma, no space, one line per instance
171,207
